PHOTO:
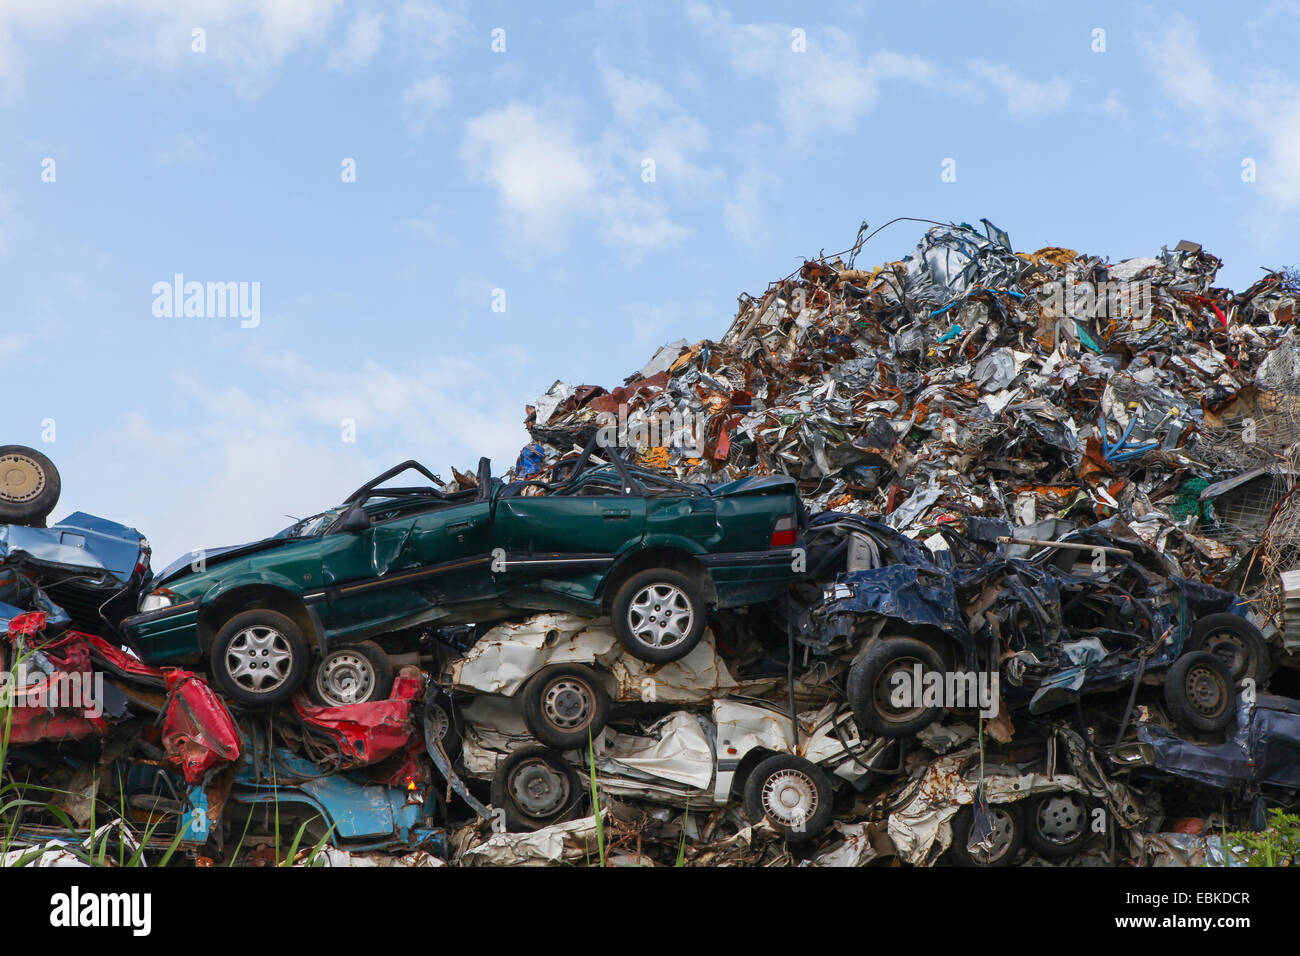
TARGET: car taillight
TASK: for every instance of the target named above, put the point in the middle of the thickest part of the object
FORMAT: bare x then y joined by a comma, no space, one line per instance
785,533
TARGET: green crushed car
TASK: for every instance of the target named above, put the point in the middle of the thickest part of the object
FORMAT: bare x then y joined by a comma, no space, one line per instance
606,537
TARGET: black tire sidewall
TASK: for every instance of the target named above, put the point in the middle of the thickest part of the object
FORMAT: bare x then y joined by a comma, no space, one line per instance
867,669
1253,643
380,665
291,633
821,817
964,820
1039,843
1178,702
531,703
33,512
623,599
516,820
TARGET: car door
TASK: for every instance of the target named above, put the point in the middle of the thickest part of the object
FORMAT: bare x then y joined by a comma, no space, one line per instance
405,566
567,542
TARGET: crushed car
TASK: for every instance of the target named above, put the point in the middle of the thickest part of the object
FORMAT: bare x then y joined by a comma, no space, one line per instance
654,553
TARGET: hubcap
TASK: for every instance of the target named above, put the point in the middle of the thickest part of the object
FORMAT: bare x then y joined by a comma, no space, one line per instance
1061,818
789,797
346,677
660,615
21,478
259,659
538,790
1206,692
884,690
441,722
568,704
1002,829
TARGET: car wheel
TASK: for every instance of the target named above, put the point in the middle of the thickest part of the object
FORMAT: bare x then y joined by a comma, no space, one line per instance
259,658
445,725
535,788
1199,692
1236,642
564,704
870,687
659,615
29,485
1056,824
351,674
793,794
1006,837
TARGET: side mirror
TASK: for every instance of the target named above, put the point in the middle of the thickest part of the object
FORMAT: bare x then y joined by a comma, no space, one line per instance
354,520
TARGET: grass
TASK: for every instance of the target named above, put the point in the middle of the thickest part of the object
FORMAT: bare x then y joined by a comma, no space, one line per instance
595,800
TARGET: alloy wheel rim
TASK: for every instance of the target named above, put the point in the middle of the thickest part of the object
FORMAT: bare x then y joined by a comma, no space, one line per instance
660,615
258,659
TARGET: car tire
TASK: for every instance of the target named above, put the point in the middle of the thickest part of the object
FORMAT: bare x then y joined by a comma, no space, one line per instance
1199,692
659,615
29,486
1057,824
565,705
869,686
445,721
1008,825
534,788
351,674
1236,642
792,794
242,641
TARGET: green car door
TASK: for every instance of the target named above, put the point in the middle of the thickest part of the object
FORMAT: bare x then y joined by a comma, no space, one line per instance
404,566
565,542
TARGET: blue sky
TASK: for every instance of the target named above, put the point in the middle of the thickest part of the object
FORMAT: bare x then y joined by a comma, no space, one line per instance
523,170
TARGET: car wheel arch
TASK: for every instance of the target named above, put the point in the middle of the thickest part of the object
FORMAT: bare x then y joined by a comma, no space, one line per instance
661,556
218,609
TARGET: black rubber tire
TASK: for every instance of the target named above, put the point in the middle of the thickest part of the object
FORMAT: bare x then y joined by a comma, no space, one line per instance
1050,822
808,778
1236,642
293,675
452,741
35,503
1199,692
541,766
622,607
874,666
367,660
579,705
961,827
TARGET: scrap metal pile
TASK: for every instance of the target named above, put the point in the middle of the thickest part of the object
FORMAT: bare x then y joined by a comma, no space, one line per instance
977,558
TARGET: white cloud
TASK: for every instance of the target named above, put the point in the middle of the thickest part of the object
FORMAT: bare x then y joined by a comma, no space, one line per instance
1021,95
543,177
361,41
1256,117
424,98
829,84
248,38
548,181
